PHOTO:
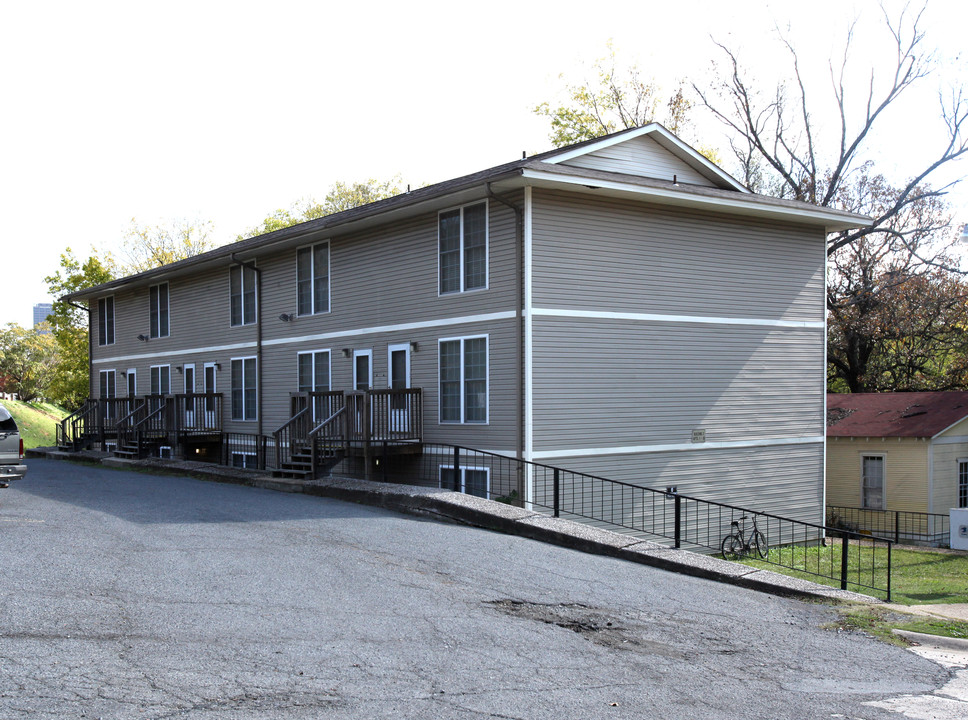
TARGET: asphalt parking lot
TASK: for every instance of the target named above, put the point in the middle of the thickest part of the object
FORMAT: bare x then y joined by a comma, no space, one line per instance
133,595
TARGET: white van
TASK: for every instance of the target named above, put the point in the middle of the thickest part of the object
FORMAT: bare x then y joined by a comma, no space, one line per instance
11,449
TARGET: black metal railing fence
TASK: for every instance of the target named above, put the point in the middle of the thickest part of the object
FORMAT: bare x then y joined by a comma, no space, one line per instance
851,560
897,525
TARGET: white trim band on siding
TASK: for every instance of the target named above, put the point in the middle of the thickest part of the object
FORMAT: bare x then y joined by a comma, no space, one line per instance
403,327
953,440
657,317
677,447
832,220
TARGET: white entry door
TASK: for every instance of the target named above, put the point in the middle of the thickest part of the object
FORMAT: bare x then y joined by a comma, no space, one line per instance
189,372
362,381
208,387
398,362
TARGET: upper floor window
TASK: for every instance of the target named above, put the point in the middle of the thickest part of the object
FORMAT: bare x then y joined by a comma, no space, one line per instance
158,310
463,380
312,279
105,321
462,236
242,292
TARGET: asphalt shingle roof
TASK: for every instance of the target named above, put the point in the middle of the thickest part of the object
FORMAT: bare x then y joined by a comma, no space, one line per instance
915,414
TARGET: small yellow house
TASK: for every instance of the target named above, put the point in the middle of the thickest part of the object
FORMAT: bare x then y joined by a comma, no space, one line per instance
898,451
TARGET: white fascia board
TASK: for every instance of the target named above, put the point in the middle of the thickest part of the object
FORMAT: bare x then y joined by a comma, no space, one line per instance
601,144
937,435
816,215
667,140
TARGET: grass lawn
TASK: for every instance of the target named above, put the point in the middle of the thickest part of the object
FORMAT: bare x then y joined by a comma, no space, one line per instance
918,575
37,421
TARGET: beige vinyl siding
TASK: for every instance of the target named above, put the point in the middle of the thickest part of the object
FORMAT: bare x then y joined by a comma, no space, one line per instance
945,470
625,256
614,383
640,156
905,471
785,480
500,433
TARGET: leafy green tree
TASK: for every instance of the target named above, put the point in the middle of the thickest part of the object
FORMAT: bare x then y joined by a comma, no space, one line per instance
897,314
341,196
614,100
149,246
69,379
27,358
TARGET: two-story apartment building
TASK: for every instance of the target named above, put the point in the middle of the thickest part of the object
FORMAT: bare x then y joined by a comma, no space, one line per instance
621,307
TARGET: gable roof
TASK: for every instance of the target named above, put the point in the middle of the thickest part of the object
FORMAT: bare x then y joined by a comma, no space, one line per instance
654,131
547,169
914,414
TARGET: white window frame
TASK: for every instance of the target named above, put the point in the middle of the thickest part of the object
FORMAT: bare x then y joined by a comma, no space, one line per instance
131,382
405,347
463,478
243,418
463,369
314,353
249,459
487,248
961,487
312,278
167,328
367,352
883,458
250,267
185,373
152,404
102,321
112,387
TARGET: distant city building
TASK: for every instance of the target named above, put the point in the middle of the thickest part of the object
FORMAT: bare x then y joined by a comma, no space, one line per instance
41,311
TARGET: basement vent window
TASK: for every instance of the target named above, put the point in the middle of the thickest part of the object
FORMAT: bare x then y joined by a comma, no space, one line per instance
243,460
164,452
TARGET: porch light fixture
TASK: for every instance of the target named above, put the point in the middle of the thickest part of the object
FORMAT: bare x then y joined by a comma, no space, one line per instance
179,369
218,366
414,346
143,338
287,317
347,352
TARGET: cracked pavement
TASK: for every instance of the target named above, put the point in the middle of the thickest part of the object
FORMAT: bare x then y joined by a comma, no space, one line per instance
132,595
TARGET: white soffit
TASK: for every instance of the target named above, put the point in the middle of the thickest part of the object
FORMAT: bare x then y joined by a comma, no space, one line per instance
832,221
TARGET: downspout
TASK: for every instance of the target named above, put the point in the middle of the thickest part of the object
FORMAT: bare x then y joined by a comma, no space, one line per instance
518,270
258,339
90,347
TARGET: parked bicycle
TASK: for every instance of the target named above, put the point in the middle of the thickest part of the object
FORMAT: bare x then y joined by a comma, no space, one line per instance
738,544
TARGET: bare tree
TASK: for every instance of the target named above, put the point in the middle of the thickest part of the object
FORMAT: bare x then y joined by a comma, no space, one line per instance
782,151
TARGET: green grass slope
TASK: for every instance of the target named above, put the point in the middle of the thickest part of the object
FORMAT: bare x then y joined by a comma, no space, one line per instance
37,421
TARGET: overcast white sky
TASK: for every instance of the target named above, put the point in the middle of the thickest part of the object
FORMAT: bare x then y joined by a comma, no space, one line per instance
225,111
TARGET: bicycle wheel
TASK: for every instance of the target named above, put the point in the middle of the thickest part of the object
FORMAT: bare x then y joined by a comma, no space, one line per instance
732,547
759,543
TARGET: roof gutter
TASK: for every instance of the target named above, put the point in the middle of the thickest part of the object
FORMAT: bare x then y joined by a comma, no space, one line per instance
519,336
832,220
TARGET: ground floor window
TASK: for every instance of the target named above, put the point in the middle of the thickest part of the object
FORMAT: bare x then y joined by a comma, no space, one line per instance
473,480
463,380
244,389
872,483
963,483
107,388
